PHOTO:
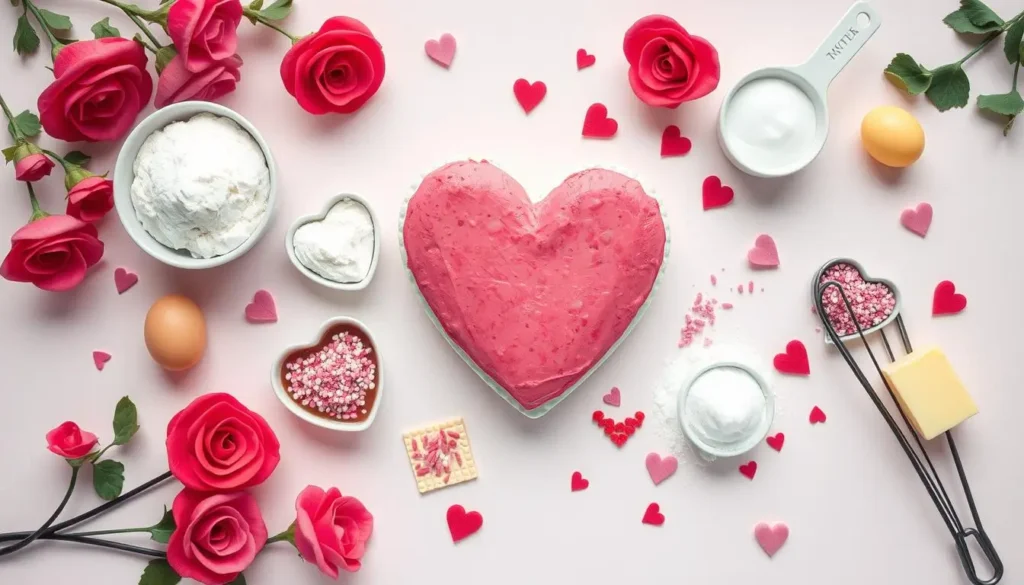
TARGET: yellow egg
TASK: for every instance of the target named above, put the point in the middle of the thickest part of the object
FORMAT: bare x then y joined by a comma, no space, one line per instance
892,136
175,332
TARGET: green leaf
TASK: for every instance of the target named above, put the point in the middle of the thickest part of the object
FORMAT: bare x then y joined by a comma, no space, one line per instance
55,21
159,572
9,153
1007,104
239,580
1009,126
906,73
77,157
256,4
26,41
950,87
1012,45
27,122
278,10
104,29
108,478
973,17
126,421
162,531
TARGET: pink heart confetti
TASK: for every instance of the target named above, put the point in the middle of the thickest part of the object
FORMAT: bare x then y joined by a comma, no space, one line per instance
817,416
262,309
584,59
661,468
100,359
917,219
124,280
764,254
771,538
442,51
613,397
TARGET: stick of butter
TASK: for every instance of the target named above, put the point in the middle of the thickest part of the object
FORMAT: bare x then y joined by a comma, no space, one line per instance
929,391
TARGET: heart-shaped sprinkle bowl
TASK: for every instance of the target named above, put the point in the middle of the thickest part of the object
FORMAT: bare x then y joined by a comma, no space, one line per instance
309,413
875,300
289,240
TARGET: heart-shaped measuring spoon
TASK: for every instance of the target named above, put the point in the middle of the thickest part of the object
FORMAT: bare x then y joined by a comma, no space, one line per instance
775,120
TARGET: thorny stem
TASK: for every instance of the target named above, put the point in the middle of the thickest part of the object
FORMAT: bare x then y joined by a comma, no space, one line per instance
10,118
71,485
252,14
55,44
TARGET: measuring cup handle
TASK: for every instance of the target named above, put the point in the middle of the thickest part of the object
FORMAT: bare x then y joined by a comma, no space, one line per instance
839,47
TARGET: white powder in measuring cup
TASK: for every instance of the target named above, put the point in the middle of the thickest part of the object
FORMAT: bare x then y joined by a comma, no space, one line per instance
725,406
201,185
770,123
339,247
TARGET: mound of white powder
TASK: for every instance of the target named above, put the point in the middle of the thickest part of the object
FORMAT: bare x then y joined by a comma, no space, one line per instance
201,185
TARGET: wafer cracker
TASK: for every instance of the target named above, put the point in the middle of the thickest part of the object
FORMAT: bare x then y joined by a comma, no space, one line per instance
436,465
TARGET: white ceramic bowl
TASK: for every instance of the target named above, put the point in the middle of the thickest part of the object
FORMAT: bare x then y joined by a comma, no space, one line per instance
124,174
320,421
290,247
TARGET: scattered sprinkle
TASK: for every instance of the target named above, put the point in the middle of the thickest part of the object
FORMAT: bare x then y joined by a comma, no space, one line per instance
750,287
714,280
727,306
700,316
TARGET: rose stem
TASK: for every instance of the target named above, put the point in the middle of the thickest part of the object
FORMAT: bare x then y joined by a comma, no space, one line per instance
42,529
252,14
55,45
10,118
95,511
991,37
133,13
37,211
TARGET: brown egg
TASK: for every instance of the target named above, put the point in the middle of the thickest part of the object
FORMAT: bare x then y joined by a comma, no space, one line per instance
175,332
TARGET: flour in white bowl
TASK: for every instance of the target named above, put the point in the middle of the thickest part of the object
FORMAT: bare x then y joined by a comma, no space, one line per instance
201,185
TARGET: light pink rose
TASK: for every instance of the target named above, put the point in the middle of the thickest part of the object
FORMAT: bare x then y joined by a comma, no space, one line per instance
216,537
331,530
30,164
91,198
69,441
178,84
204,31
52,253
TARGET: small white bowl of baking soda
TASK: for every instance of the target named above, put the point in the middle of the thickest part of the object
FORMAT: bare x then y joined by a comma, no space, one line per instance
195,185
338,247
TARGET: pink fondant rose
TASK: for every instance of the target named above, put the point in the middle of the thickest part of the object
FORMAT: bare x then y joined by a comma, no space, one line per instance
667,65
217,444
336,69
178,84
91,197
331,530
204,31
52,253
30,164
69,441
100,87
216,537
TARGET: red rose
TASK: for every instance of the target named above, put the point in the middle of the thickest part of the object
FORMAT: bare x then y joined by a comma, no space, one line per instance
52,253
178,84
30,164
204,31
91,198
331,530
70,442
667,65
100,87
216,537
217,444
335,69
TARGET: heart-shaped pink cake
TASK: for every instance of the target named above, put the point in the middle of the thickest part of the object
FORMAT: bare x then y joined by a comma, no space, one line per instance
535,295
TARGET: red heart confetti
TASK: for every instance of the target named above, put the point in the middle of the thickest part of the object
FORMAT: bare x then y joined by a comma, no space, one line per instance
620,427
579,483
262,309
946,300
631,422
715,194
749,469
618,432
607,423
817,416
462,524
584,59
653,515
124,280
608,430
639,416
794,361
529,95
630,430
619,439
597,124
598,416
100,359
775,442
673,143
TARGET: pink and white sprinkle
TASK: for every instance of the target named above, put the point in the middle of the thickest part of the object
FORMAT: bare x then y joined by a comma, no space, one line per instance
701,316
335,379
872,302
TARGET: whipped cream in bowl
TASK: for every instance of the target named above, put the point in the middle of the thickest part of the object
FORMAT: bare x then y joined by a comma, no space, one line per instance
339,247
195,185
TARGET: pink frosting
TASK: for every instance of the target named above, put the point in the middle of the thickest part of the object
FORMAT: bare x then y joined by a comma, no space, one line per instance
535,294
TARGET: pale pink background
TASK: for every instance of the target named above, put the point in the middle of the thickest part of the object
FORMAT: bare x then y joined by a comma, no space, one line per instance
856,511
